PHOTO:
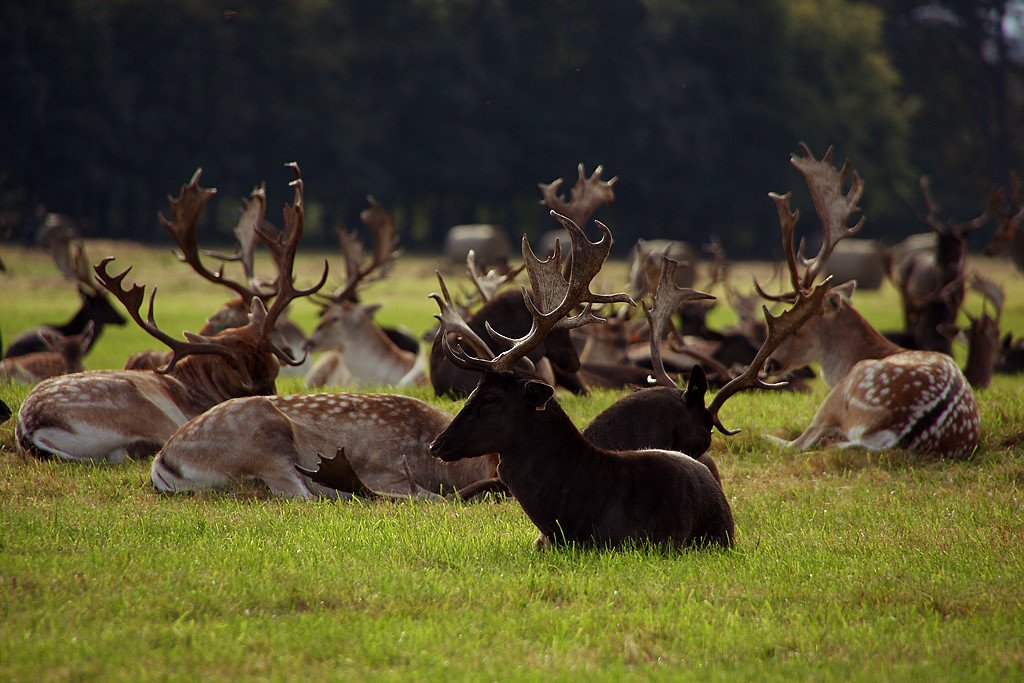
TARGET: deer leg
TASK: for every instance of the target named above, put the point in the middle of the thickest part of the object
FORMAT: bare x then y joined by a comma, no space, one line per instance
826,422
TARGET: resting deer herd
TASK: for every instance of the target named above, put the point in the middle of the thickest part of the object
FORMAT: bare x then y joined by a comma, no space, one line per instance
208,412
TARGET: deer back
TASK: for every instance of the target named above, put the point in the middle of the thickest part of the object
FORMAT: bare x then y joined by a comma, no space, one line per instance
385,437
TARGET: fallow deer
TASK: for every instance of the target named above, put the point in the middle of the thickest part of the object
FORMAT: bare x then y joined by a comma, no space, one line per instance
96,308
353,348
931,282
64,355
279,441
883,396
110,415
506,312
666,416
573,491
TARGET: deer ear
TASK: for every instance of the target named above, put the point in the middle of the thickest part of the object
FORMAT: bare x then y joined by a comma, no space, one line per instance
371,309
538,393
257,312
696,387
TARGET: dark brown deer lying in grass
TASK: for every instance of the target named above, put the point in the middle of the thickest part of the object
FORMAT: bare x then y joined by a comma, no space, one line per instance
572,490
96,309
668,417
506,312
883,396
110,415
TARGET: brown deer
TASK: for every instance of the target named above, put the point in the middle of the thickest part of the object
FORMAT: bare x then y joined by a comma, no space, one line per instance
96,308
110,415
883,396
278,441
931,282
64,355
506,312
572,490
354,349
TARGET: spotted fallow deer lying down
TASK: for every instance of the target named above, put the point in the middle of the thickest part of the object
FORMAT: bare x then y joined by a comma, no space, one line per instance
354,349
666,416
110,415
279,441
63,355
883,396
572,490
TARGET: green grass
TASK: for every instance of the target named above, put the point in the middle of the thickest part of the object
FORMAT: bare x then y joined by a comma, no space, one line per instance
848,565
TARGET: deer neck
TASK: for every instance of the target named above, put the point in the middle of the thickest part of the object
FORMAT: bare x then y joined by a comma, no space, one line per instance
844,339
537,470
370,348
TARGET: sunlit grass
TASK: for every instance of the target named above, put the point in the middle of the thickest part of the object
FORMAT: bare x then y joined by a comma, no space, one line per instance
847,564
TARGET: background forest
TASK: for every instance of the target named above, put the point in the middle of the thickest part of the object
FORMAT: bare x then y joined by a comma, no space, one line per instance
452,111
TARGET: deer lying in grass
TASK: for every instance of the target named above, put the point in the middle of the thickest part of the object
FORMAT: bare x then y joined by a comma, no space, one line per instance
278,441
354,349
250,229
668,417
63,355
96,310
883,396
110,415
572,490
507,314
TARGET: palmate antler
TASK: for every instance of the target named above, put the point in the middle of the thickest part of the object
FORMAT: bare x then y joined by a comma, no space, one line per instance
487,284
552,300
183,228
584,199
835,209
132,300
667,298
283,248
385,243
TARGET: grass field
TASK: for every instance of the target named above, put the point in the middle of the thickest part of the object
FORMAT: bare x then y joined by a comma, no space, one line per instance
848,565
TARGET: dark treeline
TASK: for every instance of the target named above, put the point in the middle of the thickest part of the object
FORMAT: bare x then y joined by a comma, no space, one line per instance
452,111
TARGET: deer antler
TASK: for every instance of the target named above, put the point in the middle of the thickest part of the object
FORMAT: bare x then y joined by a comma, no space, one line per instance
385,242
452,321
283,248
132,301
990,291
252,216
489,284
667,297
834,212
584,199
183,228
833,207
552,300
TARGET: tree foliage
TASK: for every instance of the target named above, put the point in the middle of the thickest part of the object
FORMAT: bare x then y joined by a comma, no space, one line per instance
453,111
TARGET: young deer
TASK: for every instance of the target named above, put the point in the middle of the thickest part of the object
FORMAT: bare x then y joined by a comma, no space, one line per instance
572,490
110,415
64,355
279,441
882,396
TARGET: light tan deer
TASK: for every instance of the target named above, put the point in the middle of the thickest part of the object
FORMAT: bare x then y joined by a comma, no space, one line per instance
110,415
279,441
64,355
354,349
882,396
